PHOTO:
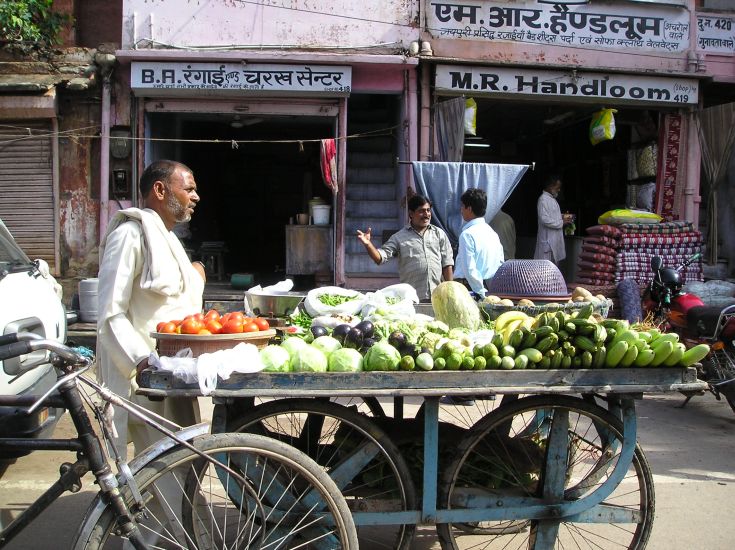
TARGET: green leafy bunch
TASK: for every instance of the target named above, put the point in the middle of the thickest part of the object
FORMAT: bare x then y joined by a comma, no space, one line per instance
30,23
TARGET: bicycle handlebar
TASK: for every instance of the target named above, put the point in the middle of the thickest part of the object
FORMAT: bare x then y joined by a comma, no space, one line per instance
16,344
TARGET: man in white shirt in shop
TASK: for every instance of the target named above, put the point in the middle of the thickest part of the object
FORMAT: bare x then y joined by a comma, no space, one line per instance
550,238
480,253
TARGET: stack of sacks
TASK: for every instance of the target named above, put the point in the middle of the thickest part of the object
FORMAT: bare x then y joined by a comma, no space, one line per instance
598,257
675,242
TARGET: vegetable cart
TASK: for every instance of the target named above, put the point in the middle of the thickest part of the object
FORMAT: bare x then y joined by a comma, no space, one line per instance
555,464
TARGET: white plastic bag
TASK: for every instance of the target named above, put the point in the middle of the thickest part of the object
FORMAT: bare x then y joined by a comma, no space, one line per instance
315,307
392,300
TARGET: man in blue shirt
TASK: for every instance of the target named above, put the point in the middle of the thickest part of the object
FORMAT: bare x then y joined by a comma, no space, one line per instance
480,252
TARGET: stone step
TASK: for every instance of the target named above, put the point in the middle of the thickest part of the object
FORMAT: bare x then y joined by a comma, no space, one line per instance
372,176
366,191
362,263
359,209
358,159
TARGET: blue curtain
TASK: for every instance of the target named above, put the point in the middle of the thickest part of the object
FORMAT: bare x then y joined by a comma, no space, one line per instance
444,182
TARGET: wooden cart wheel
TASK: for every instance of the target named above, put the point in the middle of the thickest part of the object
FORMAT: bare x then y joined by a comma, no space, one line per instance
353,448
503,458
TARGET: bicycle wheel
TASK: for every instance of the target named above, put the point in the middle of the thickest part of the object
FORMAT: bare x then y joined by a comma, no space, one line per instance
287,502
368,468
503,457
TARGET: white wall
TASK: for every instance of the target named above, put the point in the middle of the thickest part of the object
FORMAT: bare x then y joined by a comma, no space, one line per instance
222,23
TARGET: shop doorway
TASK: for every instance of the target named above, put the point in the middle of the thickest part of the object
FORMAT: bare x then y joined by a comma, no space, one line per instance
255,173
555,136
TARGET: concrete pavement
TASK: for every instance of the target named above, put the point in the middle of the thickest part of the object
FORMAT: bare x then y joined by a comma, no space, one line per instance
690,451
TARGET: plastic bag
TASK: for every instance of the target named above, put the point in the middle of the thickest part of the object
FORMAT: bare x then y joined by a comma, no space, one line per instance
602,126
470,117
628,215
395,299
315,307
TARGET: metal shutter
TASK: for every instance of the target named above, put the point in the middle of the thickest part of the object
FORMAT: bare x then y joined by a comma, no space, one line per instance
26,186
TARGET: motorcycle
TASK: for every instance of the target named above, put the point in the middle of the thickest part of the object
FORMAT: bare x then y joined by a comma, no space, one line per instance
695,323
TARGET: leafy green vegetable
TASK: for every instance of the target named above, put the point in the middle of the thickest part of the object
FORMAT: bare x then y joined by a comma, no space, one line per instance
345,360
275,358
437,327
293,344
335,299
326,344
309,359
454,306
381,357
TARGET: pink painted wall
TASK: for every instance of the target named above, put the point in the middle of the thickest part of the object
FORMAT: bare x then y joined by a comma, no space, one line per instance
315,23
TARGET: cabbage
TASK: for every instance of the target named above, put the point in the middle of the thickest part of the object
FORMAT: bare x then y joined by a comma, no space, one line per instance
275,359
326,344
345,360
454,306
309,359
293,344
381,356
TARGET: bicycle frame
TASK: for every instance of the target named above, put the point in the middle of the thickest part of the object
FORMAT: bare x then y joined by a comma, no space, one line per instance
88,446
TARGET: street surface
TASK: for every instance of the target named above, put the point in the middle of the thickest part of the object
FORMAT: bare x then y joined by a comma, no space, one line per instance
690,451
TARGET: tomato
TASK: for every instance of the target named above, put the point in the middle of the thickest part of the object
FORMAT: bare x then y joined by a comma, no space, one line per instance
199,317
213,326
191,326
177,322
250,327
178,329
166,328
232,326
204,332
212,314
262,323
236,315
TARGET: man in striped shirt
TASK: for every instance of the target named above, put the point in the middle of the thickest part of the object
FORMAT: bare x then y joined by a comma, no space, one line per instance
423,250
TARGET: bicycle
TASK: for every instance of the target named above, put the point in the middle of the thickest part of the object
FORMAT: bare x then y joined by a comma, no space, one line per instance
192,489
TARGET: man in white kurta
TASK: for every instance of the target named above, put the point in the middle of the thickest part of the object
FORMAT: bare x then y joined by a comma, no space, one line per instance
550,238
146,277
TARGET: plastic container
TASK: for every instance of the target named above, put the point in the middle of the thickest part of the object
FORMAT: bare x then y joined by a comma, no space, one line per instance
321,214
88,300
316,201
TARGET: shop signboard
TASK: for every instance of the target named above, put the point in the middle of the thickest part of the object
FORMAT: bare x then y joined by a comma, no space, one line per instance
716,33
571,85
175,76
601,25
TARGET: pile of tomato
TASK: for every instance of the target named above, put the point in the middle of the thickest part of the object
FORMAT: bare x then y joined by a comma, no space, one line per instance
213,323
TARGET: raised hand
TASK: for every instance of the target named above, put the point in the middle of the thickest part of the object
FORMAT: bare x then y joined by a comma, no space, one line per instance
365,237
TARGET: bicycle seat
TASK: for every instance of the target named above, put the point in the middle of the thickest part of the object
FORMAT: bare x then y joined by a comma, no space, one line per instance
702,320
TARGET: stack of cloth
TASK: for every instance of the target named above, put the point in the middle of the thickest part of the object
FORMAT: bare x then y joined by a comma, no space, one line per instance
675,242
598,257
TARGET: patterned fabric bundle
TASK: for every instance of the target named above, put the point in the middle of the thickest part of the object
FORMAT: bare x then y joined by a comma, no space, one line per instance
611,254
664,228
630,240
675,242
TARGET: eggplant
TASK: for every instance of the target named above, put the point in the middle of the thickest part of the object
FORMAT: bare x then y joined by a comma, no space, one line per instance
367,328
317,331
367,343
397,339
354,338
409,349
340,331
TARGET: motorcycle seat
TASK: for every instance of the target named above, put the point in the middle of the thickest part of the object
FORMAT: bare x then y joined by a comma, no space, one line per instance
702,320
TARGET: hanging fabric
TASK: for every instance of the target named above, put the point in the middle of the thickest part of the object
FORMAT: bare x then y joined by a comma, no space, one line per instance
328,162
444,182
670,181
716,127
449,129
